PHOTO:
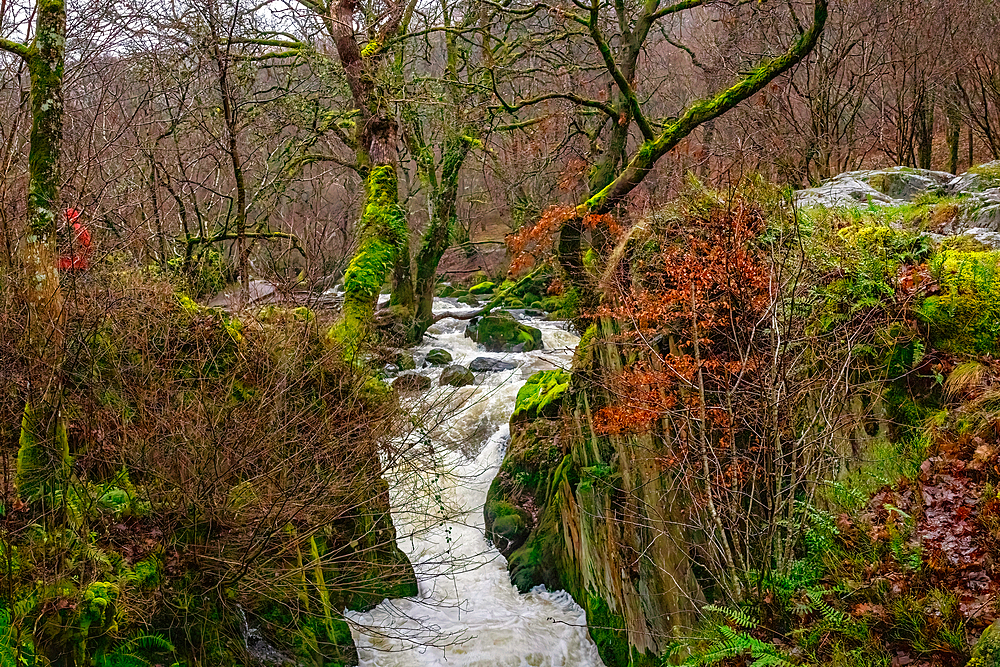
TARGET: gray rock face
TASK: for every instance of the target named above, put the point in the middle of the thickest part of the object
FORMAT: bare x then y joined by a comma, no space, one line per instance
976,195
438,357
487,365
456,375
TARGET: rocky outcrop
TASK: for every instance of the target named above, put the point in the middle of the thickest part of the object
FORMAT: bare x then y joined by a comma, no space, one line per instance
966,204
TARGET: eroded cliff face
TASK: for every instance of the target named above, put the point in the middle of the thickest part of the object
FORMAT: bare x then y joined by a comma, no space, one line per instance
609,519
623,518
600,519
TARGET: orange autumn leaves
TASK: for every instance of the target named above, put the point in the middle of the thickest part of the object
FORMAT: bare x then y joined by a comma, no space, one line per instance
711,283
532,243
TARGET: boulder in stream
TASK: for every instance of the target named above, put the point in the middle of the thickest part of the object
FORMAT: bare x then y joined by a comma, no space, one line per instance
500,332
487,365
456,375
412,382
438,357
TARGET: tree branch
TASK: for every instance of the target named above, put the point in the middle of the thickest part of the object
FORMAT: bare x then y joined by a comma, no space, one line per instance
623,84
17,48
651,151
576,99
679,7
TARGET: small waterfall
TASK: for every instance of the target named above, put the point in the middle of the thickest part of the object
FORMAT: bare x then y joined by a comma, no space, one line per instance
467,612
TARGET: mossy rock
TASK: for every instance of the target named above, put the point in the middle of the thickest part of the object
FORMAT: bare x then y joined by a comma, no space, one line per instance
404,361
507,526
438,357
531,298
551,304
469,300
483,288
513,303
445,291
541,395
500,332
986,653
457,375
412,382
512,529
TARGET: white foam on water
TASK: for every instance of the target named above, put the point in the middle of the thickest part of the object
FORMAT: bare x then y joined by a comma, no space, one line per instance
467,612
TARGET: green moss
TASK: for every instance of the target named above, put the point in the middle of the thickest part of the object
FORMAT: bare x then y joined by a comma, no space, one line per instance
383,232
500,332
607,629
965,317
541,395
482,288
187,304
146,573
986,653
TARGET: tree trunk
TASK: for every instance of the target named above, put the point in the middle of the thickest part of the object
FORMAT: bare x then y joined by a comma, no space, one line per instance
954,131
43,456
924,126
41,261
382,230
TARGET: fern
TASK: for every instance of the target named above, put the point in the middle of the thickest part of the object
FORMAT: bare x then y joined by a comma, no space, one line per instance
829,614
734,644
129,653
735,615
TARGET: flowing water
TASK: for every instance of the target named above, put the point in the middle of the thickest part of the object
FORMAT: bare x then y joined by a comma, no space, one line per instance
467,612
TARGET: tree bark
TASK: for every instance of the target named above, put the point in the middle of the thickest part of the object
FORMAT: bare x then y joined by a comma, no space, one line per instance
43,455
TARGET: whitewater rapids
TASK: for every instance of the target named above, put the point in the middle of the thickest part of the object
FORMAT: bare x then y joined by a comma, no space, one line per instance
467,613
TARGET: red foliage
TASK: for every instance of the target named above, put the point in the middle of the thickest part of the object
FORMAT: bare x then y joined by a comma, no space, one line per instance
713,285
532,243
529,243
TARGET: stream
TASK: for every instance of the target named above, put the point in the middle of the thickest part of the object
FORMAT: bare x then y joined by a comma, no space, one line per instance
467,612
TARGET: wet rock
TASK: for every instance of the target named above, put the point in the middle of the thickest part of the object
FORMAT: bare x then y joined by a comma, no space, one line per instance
412,382
509,532
456,375
487,365
438,357
469,300
403,360
500,332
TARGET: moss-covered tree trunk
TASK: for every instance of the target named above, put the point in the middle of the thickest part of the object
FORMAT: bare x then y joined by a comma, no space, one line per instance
382,230
43,455
443,214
